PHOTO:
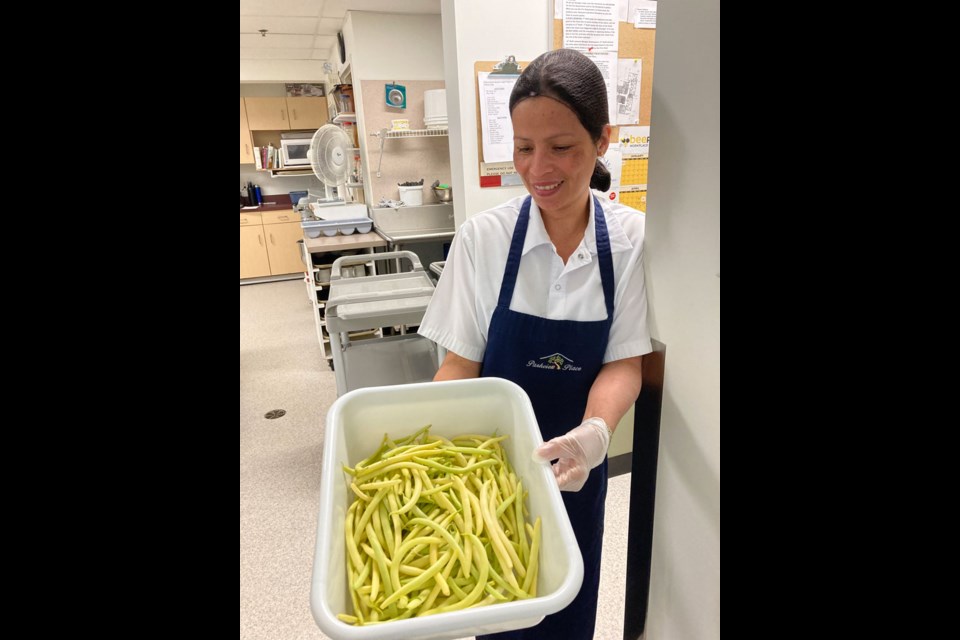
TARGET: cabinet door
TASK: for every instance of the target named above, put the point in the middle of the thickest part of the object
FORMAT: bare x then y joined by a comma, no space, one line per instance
307,113
253,252
267,114
246,145
283,248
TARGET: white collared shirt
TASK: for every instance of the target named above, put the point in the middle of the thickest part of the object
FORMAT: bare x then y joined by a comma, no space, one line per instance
461,308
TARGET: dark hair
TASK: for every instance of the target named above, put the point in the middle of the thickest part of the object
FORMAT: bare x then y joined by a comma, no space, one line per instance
571,78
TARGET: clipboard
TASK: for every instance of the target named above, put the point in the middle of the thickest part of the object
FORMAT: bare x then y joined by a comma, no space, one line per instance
498,174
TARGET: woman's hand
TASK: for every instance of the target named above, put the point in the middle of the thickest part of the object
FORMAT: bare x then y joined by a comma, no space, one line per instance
580,450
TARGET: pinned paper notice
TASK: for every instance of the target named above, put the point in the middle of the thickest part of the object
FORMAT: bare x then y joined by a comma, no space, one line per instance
590,25
629,71
495,120
645,15
635,141
606,61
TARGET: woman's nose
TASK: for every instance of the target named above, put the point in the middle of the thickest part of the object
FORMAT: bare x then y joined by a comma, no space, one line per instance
540,163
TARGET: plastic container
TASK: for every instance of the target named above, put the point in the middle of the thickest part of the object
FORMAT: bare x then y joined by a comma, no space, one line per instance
354,428
412,196
295,197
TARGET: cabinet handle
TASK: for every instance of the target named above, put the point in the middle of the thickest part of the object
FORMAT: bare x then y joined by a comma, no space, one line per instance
271,239
247,148
260,239
294,114
243,221
284,217
283,114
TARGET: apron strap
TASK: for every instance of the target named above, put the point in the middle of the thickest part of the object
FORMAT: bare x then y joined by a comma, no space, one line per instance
513,257
603,252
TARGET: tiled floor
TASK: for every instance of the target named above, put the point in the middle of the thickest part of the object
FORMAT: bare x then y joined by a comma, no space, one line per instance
281,368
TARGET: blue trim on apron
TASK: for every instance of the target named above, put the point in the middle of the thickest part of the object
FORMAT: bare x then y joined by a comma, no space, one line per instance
556,362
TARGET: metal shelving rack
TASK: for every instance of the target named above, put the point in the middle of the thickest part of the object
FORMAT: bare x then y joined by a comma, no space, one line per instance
385,134
411,133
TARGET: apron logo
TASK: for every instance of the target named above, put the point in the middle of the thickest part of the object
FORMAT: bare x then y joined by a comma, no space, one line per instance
555,361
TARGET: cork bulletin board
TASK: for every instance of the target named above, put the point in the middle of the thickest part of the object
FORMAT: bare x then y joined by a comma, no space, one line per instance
633,44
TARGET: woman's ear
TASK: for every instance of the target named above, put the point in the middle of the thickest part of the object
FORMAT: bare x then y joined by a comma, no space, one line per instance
604,140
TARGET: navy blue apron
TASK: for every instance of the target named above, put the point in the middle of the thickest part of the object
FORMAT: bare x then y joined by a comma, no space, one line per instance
556,362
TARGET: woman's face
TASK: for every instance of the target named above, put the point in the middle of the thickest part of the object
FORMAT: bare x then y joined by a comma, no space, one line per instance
554,154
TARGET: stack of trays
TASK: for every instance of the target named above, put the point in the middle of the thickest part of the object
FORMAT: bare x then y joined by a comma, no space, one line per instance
435,109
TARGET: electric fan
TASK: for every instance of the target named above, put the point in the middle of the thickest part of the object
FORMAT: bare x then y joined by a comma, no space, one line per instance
328,159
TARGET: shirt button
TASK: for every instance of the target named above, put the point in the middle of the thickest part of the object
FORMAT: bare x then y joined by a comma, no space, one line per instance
557,287
580,255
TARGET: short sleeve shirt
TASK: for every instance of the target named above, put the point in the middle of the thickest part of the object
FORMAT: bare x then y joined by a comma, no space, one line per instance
462,306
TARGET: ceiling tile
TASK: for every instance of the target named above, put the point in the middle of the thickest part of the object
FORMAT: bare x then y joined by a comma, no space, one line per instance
324,42
280,7
276,54
276,24
329,26
334,9
256,41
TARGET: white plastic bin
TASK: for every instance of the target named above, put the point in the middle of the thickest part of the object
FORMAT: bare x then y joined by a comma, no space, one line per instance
411,196
354,429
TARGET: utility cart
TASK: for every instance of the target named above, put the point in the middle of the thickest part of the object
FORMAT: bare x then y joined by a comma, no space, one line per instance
374,302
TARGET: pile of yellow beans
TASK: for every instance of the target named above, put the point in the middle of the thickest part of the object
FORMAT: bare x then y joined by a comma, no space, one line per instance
437,525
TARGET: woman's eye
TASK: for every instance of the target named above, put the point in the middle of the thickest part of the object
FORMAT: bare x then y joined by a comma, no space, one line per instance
523,149
561,148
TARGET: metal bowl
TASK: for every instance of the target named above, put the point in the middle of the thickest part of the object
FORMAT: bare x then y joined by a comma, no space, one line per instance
443,195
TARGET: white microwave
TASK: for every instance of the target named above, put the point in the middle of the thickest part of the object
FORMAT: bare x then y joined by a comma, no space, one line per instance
295,151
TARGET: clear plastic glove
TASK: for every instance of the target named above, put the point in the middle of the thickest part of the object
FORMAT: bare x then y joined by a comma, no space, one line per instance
578,451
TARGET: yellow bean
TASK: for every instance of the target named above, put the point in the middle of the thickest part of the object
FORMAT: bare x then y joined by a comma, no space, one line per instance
447,469
474,595
381,560
518,517
534,553
368,512
417,488
360,494
351,544
419,581
364,573
396,466
374,582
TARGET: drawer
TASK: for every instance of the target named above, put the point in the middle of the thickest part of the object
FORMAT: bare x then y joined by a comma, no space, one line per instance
279,217
248,219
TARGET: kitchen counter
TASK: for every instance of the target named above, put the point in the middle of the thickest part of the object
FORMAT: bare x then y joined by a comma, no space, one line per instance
272,202
279,206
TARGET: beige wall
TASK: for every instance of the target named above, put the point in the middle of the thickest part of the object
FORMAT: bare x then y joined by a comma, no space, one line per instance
403,159
683,269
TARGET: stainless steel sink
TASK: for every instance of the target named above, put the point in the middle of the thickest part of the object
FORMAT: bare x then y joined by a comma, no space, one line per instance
410,223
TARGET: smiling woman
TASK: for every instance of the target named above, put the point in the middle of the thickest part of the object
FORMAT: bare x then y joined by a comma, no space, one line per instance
547,291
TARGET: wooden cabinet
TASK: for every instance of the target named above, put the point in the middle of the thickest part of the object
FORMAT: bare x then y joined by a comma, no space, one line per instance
268,244
253,250
246,143
282,230
281,114
307,113
267,113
